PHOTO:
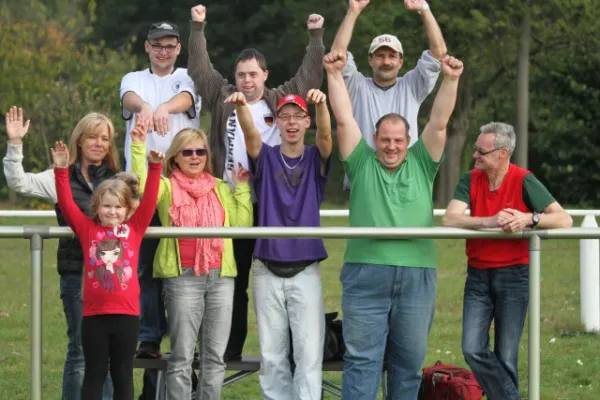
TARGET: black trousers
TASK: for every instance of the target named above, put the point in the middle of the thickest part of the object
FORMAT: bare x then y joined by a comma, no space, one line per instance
109,339
243,249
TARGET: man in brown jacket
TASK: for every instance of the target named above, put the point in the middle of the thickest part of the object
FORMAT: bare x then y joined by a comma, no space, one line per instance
227,143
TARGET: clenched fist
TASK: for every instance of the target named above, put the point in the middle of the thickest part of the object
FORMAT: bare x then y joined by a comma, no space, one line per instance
334,61
357,5
452,67
199,13
315,21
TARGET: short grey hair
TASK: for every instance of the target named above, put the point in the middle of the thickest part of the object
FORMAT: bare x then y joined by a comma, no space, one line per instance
505,135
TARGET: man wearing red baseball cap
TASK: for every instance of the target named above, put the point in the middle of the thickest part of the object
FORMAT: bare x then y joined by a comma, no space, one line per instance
385,92
289,182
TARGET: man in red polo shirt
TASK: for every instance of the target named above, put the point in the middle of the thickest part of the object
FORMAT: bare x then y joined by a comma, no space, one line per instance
500,195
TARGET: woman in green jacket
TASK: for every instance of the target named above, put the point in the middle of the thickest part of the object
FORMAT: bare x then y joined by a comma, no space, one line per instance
199,272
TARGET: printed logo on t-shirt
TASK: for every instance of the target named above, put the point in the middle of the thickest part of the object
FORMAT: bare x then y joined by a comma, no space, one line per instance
110,259
230,135
269,119
175,87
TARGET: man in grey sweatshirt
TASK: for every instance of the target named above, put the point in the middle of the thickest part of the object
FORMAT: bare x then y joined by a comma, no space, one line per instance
385,92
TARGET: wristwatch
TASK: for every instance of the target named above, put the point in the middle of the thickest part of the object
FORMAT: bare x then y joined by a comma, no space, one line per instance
424,8
535,219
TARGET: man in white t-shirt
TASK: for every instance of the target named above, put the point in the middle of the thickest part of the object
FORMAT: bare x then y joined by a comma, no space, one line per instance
162,95
164,98
227,139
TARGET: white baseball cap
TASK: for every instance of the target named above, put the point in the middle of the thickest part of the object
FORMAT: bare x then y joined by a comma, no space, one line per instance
386,40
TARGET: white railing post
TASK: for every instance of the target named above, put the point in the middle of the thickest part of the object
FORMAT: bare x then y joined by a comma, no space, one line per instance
589,266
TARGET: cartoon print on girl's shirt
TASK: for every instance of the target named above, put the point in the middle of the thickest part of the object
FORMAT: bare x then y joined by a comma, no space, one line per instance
110,257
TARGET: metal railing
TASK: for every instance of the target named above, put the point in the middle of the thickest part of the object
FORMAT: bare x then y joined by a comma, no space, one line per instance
37,234
589,259
438,212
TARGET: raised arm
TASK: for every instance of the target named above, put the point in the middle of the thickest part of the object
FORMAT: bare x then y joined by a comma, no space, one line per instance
251,134
239,203
344,33
40,184
310,73
207,80
138,163
434,134
323,136
76,219
437,46
143,214
348,132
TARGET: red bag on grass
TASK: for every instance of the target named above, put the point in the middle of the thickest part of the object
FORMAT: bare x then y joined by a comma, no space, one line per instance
449,382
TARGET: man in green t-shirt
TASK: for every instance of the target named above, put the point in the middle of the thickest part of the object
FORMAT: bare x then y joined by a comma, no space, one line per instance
388,285
500,195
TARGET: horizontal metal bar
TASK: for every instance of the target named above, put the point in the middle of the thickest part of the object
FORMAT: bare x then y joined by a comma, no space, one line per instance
324,213
318,232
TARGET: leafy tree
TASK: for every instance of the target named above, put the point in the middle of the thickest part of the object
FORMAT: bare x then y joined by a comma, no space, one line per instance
57,81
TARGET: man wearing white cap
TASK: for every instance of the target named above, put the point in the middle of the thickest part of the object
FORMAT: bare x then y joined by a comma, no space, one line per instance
385,92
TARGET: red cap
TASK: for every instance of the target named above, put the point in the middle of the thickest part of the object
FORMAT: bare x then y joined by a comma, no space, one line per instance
292,99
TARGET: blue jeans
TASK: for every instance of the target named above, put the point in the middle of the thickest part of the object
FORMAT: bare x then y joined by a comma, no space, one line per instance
501,294
153,322
385,305
70,293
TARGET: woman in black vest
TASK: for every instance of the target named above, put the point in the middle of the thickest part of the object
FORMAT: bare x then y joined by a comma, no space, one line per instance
93,159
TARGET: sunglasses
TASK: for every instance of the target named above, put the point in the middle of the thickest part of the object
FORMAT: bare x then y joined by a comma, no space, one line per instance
190,152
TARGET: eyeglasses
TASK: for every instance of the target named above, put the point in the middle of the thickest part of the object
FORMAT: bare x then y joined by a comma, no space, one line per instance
484,153
158,48
287,117
191,152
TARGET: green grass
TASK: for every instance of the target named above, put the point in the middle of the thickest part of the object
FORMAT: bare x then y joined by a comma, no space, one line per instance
561,376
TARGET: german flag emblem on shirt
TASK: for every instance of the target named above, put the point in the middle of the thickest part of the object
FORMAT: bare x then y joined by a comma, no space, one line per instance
269,120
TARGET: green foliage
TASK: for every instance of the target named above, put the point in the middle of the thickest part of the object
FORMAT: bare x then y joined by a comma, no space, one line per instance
57,80
70,57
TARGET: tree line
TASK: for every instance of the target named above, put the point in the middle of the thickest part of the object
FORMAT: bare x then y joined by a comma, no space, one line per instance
63,58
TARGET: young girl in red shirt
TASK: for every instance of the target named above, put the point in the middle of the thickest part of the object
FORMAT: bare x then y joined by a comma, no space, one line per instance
110,243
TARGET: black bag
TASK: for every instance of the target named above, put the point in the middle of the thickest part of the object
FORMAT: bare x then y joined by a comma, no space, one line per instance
333,345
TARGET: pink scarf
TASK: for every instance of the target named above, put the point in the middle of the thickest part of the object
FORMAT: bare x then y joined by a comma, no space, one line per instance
196,204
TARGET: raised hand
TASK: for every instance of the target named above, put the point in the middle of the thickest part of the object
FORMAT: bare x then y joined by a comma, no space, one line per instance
161,120
138,134
315,21
199,13
357,5
334,61
414,5
155,156
315,96
240,175
452,67
60,155
236,98
16,127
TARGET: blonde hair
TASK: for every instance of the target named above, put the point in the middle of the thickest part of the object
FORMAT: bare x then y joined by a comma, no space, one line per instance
130,179
181,139
115,187
86,127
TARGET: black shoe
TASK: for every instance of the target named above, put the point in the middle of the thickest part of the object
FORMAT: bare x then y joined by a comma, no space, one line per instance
148,350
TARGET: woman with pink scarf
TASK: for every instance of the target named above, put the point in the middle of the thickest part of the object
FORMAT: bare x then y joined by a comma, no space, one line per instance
199,272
